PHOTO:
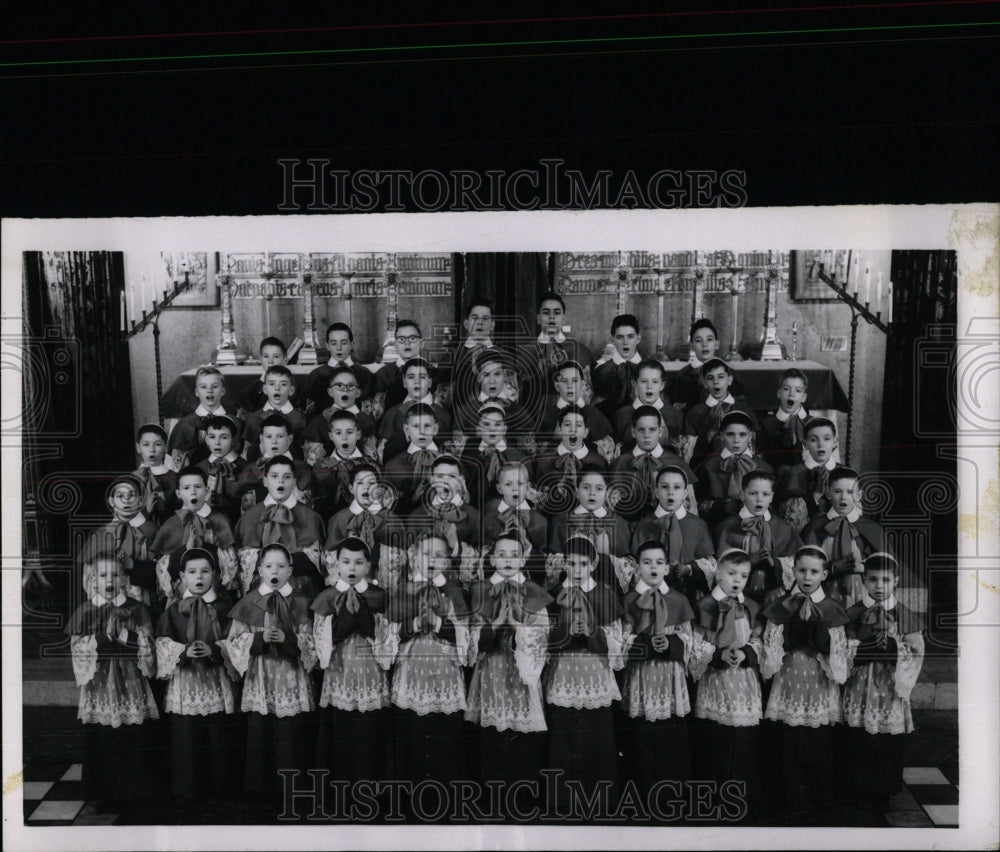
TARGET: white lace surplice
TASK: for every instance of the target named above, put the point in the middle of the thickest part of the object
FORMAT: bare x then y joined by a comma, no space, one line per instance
583,680
354,677
505,691
655,688
728,696
428,676
877,695
194,690
271,685
102,702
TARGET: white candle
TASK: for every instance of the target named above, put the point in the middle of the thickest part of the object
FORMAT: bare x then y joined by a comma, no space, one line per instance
890,303
878,291
868,285
123,310
855,276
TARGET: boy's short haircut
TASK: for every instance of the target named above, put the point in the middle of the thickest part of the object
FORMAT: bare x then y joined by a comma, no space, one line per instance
416,362
513,465
343,414
209,371
550,296
734,556
279,370
150,429
408,323
273,547
698,325
843,472
568,410
192,470
273,341
493,408
714,364
651,364
493,356
568,365
479,303
420,409
882,562
815,551
652,544
737,418
506,535
794,373
353,544
276,419
363,467
591,468
818,423
626,320
645,411
276,460
671,468
340,326
125,479
193,553
445,458
343,371
750,476
221,421
580,545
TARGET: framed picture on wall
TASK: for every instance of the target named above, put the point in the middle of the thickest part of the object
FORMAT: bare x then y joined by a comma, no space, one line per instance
200,269
805,270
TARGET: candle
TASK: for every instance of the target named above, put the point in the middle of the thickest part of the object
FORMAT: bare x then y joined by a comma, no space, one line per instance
889,320
878,291
123,311
855,276
868,285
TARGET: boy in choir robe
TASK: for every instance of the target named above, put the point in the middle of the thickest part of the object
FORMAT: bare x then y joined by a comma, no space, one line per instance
408,471
187,439
687,386
445,507
511,511
479,326
275,440
846,536
366,518
635,471
782,432
482,461
648,390
555,473
343,392
417,376
614,377
497,385
770,541
720,477
340,344
389,378
568,383
704,419
281,518
159,482
278,388
684,536
129,535
333,471
801,490
273,353
223,466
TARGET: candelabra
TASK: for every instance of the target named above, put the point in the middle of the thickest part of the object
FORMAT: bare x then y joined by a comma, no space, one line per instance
697,307
772,348
308,352
389,351
228,351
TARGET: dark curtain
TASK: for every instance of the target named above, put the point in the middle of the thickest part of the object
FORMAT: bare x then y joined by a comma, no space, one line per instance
919,424
512,281
78,430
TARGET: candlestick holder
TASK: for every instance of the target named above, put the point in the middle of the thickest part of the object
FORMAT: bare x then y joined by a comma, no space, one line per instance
697,307
772,348
389,352
228,351
737,285
309,351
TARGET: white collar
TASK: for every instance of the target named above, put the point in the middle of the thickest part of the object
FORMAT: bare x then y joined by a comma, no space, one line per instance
438,581
203,512
290,503
580,452
656,452
472,344
638,403
455,500
413,448
497,399
230,457
726,454
137,520
208,597
426,399
694,362
503,507
117,600
356,508
357,454
496,579
617,359
815,597
711,401
156,470
500,446
600,512
641,586
201,411
680,514
353,409
784,417
400,360
342,586
562,403
812,464
587,585
287,408
869,601
746,514
719,594
851,516
284,591
347,362
558,337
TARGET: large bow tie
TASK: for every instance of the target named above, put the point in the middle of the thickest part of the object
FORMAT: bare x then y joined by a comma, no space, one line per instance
203,620
196,531
129,542
222,470
554,354
341,468
349,599
279,527
647,468
429,597
508,606
672,538
727,633
569,464
875,624
844,535
118,618
756,534
280,613
518,518
800,604
737,467
152,492
819,480
653,612
576,613
718,412
795,430
422,460
497,459
362,525
586,524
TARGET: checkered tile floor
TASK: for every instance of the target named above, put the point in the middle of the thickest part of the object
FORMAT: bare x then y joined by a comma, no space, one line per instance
61,802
